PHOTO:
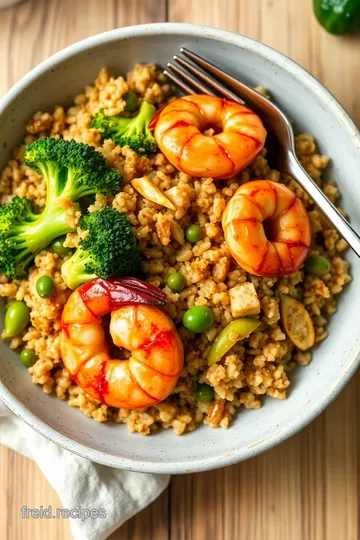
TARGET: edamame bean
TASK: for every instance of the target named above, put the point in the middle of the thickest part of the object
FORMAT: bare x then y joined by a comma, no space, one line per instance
45,286
204,392
193,233
28,357
317,265
17,317
176,282
198,319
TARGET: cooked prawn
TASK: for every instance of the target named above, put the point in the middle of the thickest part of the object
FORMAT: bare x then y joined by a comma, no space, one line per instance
150,373
266,228
239,135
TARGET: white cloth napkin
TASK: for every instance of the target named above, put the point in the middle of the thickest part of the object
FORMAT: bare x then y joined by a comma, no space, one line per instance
81,483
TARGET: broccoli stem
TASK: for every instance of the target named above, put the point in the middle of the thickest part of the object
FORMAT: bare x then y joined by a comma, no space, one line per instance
52,222
38,234
74,269
55,179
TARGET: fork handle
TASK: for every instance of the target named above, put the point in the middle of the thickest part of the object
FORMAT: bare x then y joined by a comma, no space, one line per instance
320,199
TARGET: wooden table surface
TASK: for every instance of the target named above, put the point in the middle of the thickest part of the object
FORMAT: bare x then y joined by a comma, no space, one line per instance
305,489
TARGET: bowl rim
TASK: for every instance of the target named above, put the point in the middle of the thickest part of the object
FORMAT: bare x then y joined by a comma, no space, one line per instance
307,80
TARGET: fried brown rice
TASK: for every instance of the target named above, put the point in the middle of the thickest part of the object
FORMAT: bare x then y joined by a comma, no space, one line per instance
255,367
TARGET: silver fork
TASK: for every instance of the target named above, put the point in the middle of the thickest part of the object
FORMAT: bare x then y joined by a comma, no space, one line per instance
190,77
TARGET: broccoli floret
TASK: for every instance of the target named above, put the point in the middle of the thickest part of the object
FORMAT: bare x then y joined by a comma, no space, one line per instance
71,171
133,132
109,249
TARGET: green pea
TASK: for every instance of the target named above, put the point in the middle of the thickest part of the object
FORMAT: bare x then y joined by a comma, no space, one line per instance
59,248
317,265
28,357
131,100
176,282
17,318
204,392
194,233
198,319
45,286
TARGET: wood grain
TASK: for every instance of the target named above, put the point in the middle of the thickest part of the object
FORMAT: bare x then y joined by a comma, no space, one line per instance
305,489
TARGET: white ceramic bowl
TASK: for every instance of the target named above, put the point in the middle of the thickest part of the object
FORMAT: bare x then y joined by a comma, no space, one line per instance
314,110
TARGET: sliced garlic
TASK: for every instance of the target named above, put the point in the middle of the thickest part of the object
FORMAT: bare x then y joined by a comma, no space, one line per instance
148,190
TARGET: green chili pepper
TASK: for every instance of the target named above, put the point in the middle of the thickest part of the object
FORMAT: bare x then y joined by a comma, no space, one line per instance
338,16
232,333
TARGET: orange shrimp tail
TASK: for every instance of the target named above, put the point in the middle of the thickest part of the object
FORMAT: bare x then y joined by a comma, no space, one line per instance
259,203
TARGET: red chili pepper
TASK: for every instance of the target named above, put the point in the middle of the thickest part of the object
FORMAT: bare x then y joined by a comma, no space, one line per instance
110,294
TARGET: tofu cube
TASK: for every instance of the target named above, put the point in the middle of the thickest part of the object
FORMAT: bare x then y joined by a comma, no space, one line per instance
244,300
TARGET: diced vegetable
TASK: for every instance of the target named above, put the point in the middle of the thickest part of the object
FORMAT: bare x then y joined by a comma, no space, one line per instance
297,322
148,190
231,334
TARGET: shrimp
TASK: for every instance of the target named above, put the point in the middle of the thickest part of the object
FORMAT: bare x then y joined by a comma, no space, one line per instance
266,228
238,139
156,352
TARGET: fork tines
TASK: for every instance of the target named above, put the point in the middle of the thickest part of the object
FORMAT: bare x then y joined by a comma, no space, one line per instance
183,77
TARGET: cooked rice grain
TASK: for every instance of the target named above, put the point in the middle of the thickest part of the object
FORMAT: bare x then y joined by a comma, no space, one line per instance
258,365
